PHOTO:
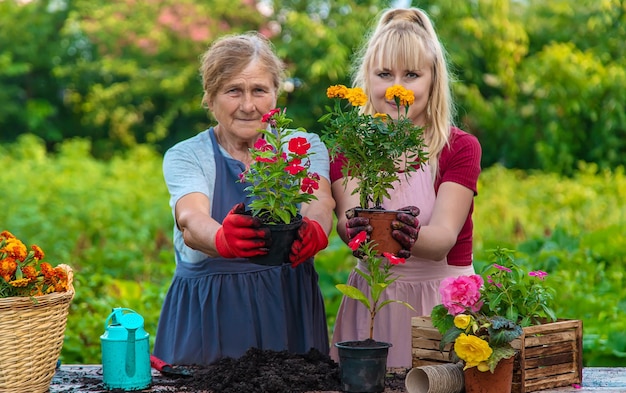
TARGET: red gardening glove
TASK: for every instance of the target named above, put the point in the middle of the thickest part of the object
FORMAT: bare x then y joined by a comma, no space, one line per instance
240,235
405,229
310,240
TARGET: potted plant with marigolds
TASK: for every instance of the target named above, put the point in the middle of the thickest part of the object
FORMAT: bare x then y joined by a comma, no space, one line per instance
481,315
375,150
34,303
364,363
278,181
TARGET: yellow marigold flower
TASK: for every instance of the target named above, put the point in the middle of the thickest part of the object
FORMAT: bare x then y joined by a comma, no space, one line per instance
356,96
462,321
381,116
472,350
406,96
339,91
19,283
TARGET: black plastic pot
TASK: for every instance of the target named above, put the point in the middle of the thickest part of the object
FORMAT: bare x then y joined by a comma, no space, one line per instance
283,236
363,365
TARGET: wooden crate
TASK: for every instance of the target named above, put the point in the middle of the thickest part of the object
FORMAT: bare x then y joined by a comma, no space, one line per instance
550,355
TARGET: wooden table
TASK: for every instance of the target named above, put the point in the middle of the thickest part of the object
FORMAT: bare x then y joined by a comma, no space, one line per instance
86,378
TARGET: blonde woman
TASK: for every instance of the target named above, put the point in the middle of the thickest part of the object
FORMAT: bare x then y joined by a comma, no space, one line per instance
436,230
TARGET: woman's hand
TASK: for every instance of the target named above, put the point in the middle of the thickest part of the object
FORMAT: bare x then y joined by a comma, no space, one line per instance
405,229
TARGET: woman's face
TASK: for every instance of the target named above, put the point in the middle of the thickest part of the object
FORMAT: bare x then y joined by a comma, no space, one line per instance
418,81
239,105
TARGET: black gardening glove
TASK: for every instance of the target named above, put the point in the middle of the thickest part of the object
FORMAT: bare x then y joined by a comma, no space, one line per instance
405,229
356,225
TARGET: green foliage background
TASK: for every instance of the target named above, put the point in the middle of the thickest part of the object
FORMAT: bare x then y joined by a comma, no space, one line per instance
111,222
542,84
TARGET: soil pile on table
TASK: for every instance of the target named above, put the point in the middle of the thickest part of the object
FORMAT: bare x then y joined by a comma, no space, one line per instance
267,371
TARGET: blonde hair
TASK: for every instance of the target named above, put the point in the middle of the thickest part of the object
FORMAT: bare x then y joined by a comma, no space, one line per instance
406,36
229,55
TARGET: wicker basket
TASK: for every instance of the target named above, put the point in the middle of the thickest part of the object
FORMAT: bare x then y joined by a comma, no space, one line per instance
31,338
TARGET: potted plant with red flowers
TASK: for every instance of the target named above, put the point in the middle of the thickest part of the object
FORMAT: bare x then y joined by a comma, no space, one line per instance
278,181
376,150
364,363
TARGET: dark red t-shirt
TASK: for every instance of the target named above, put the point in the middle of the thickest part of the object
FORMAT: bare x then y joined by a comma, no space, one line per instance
459,162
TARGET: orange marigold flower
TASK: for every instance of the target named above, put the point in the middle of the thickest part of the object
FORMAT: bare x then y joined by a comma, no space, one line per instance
7,235
47,270
39,254
7,268
339,91
14,247
30,272
356,96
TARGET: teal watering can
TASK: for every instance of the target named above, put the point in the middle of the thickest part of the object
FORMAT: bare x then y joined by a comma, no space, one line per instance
125,351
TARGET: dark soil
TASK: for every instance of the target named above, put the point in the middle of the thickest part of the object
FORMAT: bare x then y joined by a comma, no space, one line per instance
258,371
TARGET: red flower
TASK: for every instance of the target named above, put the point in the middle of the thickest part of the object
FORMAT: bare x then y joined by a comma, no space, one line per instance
262,145
299,145
357,240
294,167
310,183
394,260
268,116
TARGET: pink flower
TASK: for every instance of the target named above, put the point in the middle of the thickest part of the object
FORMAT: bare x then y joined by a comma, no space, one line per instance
394,260
503,268
357,240
539,274
299,145
460,293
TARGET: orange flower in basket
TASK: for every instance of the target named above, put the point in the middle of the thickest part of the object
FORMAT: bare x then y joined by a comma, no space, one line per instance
23,274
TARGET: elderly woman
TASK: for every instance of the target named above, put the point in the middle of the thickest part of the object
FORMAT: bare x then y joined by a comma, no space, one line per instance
220,304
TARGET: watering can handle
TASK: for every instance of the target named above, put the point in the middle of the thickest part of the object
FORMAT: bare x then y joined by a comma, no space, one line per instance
115,311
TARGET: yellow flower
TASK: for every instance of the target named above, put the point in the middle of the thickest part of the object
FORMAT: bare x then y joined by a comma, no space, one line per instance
462,321
356,96
406,96
482,367
20,282
381,116
471,349
339,91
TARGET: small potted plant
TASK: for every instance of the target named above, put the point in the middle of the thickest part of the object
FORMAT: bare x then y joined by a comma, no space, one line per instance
375,149
364,363
278,181
482,314
480,340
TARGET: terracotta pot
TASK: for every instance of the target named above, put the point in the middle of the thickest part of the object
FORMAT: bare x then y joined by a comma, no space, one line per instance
283,236
363,365
500,381
380,220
